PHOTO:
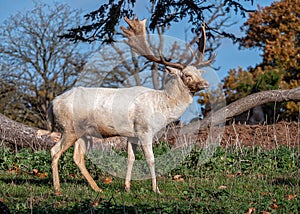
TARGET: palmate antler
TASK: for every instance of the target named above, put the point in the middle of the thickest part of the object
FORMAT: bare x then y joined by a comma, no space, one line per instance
201,43
136,34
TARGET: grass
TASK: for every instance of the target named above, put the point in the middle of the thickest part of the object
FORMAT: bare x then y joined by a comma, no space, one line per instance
235,180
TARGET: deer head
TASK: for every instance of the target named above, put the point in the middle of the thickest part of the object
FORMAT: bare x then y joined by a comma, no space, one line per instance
188,72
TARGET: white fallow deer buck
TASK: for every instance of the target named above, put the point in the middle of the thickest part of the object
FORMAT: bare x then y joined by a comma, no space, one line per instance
99,111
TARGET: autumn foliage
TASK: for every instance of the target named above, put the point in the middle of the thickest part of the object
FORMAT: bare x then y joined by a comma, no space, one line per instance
274,30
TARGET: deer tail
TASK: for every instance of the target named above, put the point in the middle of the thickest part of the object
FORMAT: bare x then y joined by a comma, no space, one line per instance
50,118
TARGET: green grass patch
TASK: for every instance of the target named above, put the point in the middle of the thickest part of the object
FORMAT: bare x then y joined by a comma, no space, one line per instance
234,180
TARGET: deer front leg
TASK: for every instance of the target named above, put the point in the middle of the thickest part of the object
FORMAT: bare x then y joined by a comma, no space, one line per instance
79,152
148,153
131,148
57,150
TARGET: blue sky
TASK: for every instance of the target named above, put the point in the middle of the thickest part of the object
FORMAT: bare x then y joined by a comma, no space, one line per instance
229,56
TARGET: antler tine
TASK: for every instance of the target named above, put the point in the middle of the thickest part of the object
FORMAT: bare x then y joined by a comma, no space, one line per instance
188,47
136,34
201,47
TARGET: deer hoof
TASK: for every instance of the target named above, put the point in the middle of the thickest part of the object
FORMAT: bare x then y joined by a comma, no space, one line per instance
98,190
127,188
156,191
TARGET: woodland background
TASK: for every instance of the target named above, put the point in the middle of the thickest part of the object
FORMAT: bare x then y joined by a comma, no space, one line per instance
47,50
42,56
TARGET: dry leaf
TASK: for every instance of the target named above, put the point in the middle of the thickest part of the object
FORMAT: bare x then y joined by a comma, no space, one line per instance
290,197
222,187
176,177
274,206
265,212
72,175
42,175
239,173
107,180
35,171
15,169
230,176
251,210
95,203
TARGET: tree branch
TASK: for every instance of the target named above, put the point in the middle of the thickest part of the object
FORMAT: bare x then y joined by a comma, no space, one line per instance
241,106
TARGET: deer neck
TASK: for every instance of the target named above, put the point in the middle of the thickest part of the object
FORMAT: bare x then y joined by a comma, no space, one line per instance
178,97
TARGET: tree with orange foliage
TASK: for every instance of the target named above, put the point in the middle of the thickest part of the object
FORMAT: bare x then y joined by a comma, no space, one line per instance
275,30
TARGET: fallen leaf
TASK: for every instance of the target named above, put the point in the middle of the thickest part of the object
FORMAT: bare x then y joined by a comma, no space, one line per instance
222,187
107,180
274,206
176,177
72,175
230,176
290,197
265,212
15,169
35,171
95,203
42,175
239,173
251,210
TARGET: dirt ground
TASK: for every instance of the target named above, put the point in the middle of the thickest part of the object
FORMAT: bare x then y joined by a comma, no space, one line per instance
266,136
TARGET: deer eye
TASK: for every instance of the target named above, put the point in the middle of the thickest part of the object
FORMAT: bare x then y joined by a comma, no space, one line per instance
188,76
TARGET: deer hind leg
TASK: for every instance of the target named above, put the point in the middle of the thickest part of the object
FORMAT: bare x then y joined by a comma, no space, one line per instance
131,148
79,152
149,156
67,140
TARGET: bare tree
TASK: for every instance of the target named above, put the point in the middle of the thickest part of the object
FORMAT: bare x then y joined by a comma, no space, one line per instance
35,63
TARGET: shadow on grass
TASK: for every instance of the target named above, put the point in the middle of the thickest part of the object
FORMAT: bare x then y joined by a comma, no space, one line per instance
41,181
88,206
288,181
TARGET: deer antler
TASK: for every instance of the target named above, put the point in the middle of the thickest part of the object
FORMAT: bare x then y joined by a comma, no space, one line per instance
201,48
136,34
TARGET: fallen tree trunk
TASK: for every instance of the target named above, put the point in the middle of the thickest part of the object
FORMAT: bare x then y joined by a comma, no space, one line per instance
241,106
18,135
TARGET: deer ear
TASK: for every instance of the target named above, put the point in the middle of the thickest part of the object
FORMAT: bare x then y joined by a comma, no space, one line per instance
173,71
